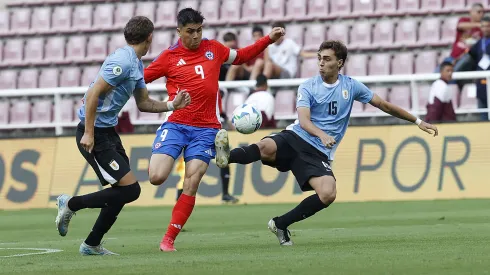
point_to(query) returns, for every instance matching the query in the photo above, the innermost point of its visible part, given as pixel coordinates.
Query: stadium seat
(103, 17)
(117, 40)
(97, 47)
(309, 68)
(20, 20)
(385, 7)
(162, 40)
(122, 14)
(408, 6)
(245, 37)
(382, 92)
(363, 7)
(360, 35)
(468, 97)
(82, 18)
(356, 65)
(33, 51)
(379, 64)
(423, 92)
(4, 112)
(54, 50)
(230, 11)
(27, 79)
(285, 104)
(76, 105)
(166, 14)
(314, 33)
(383, 34)
(274, 10)
(400, 95)
(209, 33)
(42, 111)
(234, 99)
(70, 77)
(41, 19)
(89, 75)
(318, 9)
(252, 11)
(431, 6)
(296, 10)
(76, 48)
(448, 32)
(4, 21)
(402, 63)
(337, 31)
(67, 109)
(8, 79)
(357, 107)
(48, 78)
(470, 3)
(146, 9)
(12, 52)
(406, 33)
(1, 52)
(296, 33)
(456, 95)
(426, 62)
(454, 5)
(340, 8)
(61, 19)
(210, 10)
(188, 4)
(430, 32)
(20, 112)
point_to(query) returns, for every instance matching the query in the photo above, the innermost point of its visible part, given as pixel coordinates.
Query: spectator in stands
(468, 31)
(230, 41)
(440, 106)
(263, 100)
(281, 58)
(251, 69)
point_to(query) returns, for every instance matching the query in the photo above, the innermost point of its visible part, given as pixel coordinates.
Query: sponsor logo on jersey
(181, 62)
(327, 166)
(209, 55)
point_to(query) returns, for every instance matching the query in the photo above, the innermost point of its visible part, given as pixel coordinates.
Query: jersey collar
(331, 85)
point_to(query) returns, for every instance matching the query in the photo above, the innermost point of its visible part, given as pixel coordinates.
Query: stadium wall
(375, 163)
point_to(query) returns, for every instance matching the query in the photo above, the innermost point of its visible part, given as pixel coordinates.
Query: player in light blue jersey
(308, 146)
(120, 76)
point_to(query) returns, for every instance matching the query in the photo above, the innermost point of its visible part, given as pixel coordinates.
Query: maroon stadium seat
(48, 78)
(230, 11)
(166, 14)
(379, 64)
(54, 51)
(209, 33)
(146, 9)
(470, 3)
(97, 47)
(245, 37)
(456, 95)
(356, 65)
(340, 8)
(430, 32)
(296, 10)
(385, 7)
(61, 18)
(274, 10)
(33, 51)
(337, 31)
(252, 11)
(318, 9)
(89, 75)
(70, 77)
(383, 34)
(285, 104)
(40, 20)
(431, 6)
(82, 18)
(20, 112)
(423, 92)
(4, 112)
(4, 21)
(234, 100)
(42, 111)
(103, 17)
(188, 4)
(406, 33)
(76, 48)
(117, 40)
(400, 95)
(296, 33)
(1, 51)
(8, 79)
(76, 105)
(67, 109)
(27, 79)
(357, 107)
(12, 51)
(454, 5)
(426, 62)
(210, 10)
(408, 6)
(122, 14)
(448, 32)
(360, 35)
(162, 40)
(382, 92)
(314, 33)
(309, 68)
(363, 7)
(402, 63)
(468, 97)
(20, 20)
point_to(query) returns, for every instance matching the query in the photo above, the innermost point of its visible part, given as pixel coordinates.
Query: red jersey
(460, 46)
(198, 72)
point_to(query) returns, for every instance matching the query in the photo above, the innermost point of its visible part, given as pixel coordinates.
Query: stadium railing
(57, 93)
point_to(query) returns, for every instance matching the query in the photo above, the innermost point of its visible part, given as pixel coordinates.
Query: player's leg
(257, 68)
(225, 184)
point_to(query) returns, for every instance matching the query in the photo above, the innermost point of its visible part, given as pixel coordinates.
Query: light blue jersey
(330, 106)
(124, 71)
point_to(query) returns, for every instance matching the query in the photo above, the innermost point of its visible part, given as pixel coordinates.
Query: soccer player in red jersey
(192, 64)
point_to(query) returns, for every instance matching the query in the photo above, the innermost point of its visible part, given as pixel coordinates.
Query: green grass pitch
(429, 237)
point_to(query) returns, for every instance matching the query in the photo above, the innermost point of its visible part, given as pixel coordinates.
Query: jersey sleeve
(140, 84)
(116, 69)
(157, 68)
(223, 52)
(362, 93)
(304, 97)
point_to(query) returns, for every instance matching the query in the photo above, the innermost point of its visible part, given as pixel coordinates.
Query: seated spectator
(251, 69)
(440, 106)
(468, 31)
(281, 58)
(231, 42)
(263, 100)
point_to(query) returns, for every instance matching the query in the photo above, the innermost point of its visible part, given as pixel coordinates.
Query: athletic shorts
(197, 143)
(108, 157)
(298, 156)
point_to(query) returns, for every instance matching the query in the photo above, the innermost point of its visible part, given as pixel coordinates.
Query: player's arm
(398, 112)
(156, 69)
(149, 105)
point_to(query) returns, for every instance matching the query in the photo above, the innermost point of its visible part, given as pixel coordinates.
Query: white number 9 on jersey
(199, 70)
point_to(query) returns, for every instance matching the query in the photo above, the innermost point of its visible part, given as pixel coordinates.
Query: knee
(157, 178)
(133, 192)
(266, 152)
(328, 195)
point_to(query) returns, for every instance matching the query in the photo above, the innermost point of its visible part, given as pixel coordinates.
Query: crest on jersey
(117, 70)
(209, 55)
(114, 165)
(300, 96)
(345, 94)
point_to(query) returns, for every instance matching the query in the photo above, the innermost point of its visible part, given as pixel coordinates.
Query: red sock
(181, 212)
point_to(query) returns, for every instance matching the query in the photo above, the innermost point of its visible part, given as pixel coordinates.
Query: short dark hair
(485, 18)
(444, 65)
(477, 5)
(189, 16)
(138, 29)
(261, 80)
(258, 29)
(278, 25)
(338, 47)
(229, 36)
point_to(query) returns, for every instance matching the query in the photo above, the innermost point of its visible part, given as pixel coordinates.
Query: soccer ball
(246, 119)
